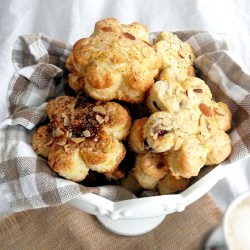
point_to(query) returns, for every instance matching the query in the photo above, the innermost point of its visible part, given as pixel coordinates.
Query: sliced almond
(86, 133)
(99, 109)
(57, 132)
(106, 118)
(99, 119)
(155, 136)
(66, 148)
(129, 36)
(61, 143)
(198, 90)
(49, 142)
(106, 29)
(219, 112)
(66, 122)
(78, 139)
(178, 144)
(205, 109)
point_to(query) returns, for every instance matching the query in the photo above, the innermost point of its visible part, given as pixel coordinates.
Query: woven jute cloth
(27, 182)
(65, 227)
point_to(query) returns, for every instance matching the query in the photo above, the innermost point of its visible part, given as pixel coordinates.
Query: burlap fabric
(25, 178)
(64, 227)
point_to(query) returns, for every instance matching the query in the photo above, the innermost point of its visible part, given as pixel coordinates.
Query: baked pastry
(151, 173)
(83, 134)
(135, 137)
(170, 184)
(174, 97)
(149, 169)
(115, 62)
(177, 58)
(186, 125)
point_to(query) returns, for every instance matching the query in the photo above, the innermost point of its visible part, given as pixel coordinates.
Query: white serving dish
(141, 215)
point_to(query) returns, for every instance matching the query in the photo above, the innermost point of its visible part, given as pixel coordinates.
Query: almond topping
(129, 36)
(155, 136)
(217, 111)
(78, 139)
(99, 109)
(57, 132)
(49, 142)
(106, 118)
(198, 90)
(205, 109)
(61, 143)
(99, 119)
(107, 29)
(66, 148)
(86, 133)
(178, 144)
(66, 122)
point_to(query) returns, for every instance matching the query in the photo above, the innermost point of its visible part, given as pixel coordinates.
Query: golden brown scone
(222, 115)
(164, 96)
(158, 132)
(135, 137)
(83, 134)
(186, 125)
(170, 184)
(174, 97)
(42, 140)
(115, 62)
(149, 169)
(188, 160)
(68, 162)
(219, 146)
(177, 58)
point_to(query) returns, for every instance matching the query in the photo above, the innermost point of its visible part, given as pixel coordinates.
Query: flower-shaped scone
(83, 134)
(190, 134)
(174, 96)
(151, 172)
(177, 57)
(115, 62)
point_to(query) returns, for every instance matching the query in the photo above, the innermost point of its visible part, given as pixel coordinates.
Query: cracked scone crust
(83, 135)
(115, 62)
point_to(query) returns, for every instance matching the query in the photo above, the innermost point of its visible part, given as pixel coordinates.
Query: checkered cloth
(25, 178)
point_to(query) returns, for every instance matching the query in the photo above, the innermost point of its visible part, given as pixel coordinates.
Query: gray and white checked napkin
(27, 182)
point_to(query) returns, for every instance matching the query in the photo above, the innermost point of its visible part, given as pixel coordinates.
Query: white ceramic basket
(141, 215)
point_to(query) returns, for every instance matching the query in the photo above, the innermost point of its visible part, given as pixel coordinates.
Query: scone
(149, 169)
(151, 173)
(174, 96)
(83, 134)
(115, 62)
(177, 58)
(170, 184)
(186, 125)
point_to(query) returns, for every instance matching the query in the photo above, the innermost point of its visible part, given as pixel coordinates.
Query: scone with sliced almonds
(186, 125)
(83, 134)
(115, 62)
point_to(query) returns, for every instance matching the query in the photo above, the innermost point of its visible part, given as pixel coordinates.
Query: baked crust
(115, 62)
(83, 134)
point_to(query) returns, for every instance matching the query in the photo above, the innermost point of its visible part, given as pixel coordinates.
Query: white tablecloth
(72, 19)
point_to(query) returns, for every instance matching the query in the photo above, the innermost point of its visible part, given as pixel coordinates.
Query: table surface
(71, 20)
